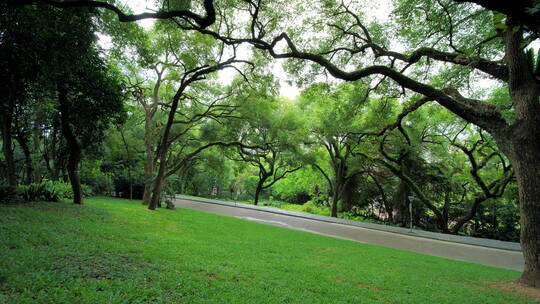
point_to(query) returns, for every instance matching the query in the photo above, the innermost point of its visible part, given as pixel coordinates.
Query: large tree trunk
(334, 206)
(526, 165)
(148, 174)
(258, 190)
(158, 185)
(73, 145)
(525, 138)
(336, 197)
(527, 169)
(7, 144)
(340, 170)
(149, 163)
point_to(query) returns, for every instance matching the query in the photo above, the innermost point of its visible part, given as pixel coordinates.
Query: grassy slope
(115, 251)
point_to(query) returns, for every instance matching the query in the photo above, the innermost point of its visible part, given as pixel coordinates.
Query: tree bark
(148, 174)
(128, 155)
(73, 145)
(157, 187)
(527, 169)
(36, 144)
(57, 151)
(258, 190)
(7, 145)
(387, 206)
(21, 139)
(525, 134)
(149, 162)
(334, 207)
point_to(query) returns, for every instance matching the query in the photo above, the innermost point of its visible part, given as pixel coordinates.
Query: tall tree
(270, 132)
(337, 121)
(72, 72)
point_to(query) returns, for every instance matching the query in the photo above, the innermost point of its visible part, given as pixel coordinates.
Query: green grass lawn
(116, 251)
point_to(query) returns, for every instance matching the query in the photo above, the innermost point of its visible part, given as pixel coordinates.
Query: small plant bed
(115, 251)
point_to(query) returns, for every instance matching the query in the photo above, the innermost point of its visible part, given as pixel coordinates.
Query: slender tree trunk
(27, 158)
(446, 207)
(36, 143)
(56, 151)
(387, 206)
(128, 155)
(163, 148)
(7, 144)
(73, 146)
(46, 156)
(149, 162)
(73, 174)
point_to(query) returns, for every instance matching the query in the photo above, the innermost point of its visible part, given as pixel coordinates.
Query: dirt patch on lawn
(516, 288)
(324, 249)
(207, 274)
(357, 284)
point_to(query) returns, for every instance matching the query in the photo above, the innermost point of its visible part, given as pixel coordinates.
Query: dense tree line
(409, 123)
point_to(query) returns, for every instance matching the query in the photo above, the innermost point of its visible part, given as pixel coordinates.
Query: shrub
(65, 190)
(308, 207)
(45, 191)
(50, 191)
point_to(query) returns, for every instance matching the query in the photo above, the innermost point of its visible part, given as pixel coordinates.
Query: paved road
(463, 252)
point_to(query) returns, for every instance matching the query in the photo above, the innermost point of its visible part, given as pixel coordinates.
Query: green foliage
(97, 180)
(309, 207)
(299, 185)
(45, 191)
(49, 191)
